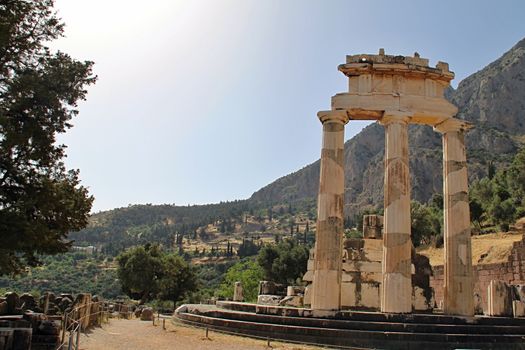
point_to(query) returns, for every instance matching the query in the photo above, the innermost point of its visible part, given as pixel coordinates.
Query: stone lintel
(340, 116)
(364, 114)
(453, 124)
(371, 106)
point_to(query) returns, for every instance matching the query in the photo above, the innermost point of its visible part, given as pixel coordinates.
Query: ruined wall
(373, 226)
(362, 276)
(512, 272)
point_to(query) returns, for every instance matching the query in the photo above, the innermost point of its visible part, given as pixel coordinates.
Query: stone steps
(400, 327)
(365, 330)
(373, 316)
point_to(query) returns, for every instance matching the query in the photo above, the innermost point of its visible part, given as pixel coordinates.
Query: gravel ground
(121, 334)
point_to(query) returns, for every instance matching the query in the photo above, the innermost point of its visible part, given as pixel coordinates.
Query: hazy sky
(208, 101)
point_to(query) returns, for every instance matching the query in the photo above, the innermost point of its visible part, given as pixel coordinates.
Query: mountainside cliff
(493, 99)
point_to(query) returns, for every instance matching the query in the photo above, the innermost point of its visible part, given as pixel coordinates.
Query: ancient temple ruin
(395, 91)
(349, 280)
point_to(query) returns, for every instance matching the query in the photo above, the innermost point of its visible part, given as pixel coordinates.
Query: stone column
(326, 293)
(458, 282)
(396, 293)
(238, 292)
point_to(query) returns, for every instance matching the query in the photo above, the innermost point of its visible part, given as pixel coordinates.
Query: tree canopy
(500, 199)
(249, 273)
(284, 262)
(139, 270)
(147, 272)
(40, 200)
(177, 280)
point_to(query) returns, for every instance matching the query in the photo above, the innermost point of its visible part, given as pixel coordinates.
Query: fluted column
(326, 292)
(458, 281)
(396, 296)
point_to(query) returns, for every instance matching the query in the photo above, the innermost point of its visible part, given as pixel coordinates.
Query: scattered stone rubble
(24, 326)
(505, 300)
(147, 314)
(30, 323)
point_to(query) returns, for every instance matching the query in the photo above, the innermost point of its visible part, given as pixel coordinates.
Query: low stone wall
(362, 276)
(512, 272)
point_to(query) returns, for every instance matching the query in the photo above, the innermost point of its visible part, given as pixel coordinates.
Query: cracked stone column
(458, 280)
(396, 293)
(326, 292)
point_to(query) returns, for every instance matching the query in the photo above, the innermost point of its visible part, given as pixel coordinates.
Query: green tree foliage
(72, 272)
(40, 200)
(426, 220)
(476, 211)
(177, 280)
(139, 270)
(284, 262)
(516, 183)
(421, 226)
(249, 273)
(501, 197)
(147, 272)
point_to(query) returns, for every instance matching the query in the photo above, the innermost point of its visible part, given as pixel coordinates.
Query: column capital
(338, 116)
(390, 116)
(452, 124)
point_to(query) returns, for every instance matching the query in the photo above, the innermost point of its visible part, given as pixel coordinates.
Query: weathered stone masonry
(326, 293)
(512, 272)
(397, 245)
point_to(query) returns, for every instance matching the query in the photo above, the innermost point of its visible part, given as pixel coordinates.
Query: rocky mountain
(493, 99)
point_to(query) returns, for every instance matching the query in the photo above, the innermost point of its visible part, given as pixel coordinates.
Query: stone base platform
(349, 329)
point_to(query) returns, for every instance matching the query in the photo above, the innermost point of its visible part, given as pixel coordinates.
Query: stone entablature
(379, 83)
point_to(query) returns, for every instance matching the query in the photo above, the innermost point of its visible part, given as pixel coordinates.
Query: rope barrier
(72, 323)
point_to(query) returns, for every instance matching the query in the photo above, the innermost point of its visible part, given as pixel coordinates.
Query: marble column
(458, 280)
(326, 292)
(396, 293)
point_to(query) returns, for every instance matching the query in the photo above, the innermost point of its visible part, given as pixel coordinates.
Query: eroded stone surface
(292, 300)
(266, 299)
(458, 283)
(147, 314)
(518, 308)
(326, 286)
(397, 247)
(238, 292)
(373, 226)
(499, 299)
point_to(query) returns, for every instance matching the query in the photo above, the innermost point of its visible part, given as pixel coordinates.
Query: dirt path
(134, 335)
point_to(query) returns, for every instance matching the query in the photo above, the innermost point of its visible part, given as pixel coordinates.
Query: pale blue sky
(207, 101)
